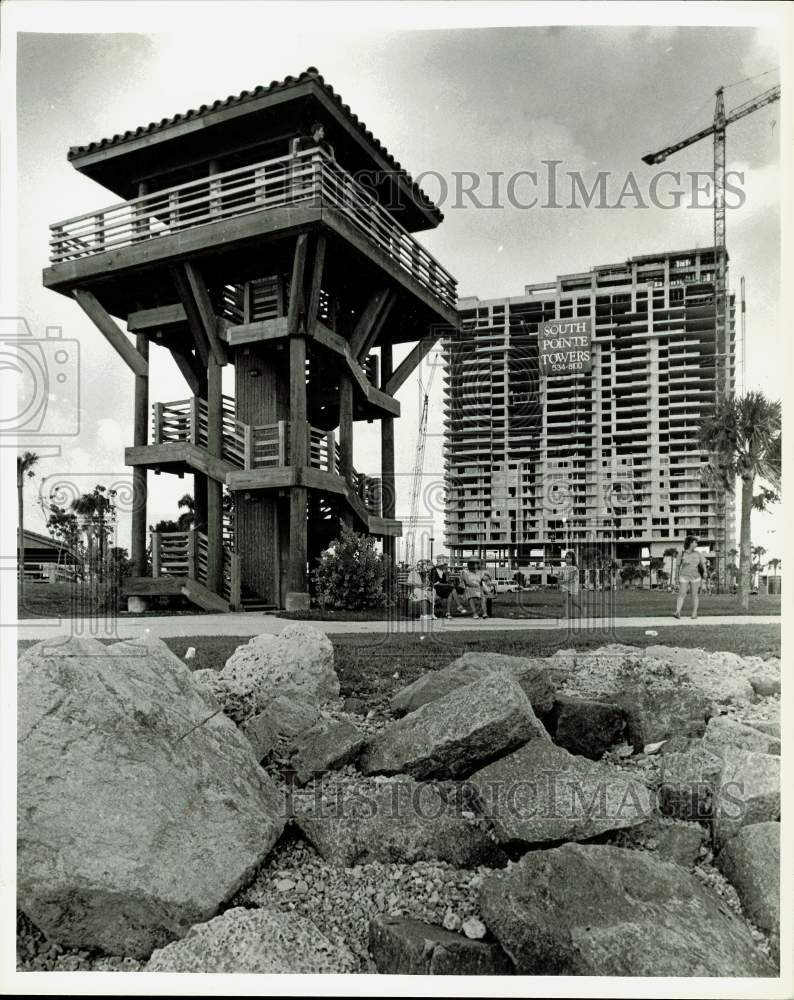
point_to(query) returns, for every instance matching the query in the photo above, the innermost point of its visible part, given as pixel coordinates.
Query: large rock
(655, 696)
(456, 734)
(254, 941)
(687, 784)
(399, 821)
(534, 677)
(586, 727)
(141, 807)
(723, 731)
(748, 792)
(542, 794)
(604, 911)
(402, 946)
(765, 685)
(723, 677)
(330, 744)
(274, 731)
(296, 663)
(751, 862)
(657, 712)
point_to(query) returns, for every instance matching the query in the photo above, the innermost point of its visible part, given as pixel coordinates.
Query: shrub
(351, 575)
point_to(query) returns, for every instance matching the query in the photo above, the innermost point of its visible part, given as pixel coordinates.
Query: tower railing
(311, 176)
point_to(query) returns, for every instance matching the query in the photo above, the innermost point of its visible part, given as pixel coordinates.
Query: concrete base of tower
(297, 600)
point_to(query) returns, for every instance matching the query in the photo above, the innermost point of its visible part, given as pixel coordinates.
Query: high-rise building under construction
(604, 459)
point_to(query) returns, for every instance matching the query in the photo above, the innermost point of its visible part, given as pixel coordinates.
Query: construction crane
(717, 128)
(418, 471)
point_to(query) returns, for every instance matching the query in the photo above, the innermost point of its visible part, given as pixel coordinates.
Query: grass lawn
(61, 600)
(628, 603)
(65, 600)
(367, 663)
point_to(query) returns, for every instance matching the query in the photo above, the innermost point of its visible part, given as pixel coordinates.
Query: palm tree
(672, 555)
(757, 552)
(186, 503)
(26, 463)
(743, 437)
(774, 563)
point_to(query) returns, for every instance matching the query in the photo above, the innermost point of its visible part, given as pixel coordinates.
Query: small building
(46, 558)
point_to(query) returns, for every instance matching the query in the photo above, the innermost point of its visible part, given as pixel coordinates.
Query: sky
(444, 102)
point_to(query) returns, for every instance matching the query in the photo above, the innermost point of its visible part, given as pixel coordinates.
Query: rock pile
(504, 814)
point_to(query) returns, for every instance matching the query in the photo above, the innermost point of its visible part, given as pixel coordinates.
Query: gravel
(341, 901)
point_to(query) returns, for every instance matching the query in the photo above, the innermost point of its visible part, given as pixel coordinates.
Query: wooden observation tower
(278, 268)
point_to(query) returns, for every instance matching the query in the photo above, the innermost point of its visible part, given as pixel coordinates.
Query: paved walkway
(253, 624)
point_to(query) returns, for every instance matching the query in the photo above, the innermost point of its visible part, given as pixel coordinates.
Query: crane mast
(718, 129)
(418, 472)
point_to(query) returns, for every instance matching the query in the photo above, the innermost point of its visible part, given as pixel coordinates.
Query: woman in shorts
(691, 571)
(569, 584)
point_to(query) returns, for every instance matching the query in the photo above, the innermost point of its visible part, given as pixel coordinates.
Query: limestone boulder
(328, 745)
(129, 777)
(403, 946)
(687, 783)
(258, 941)
(723, 731)
(751, 862)
(604, 911)
(396, 822)
(274, 731)
(586, 727)
(748, 792)
(541, 794)
(534, 676)
(454, 735)
(296, 663)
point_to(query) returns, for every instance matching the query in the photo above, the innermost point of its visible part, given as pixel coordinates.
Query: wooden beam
(206, 311)
(114, 335)
(214, 488)
(377, 326)
(140, 438)
(299, 428)
(313, 307)
(146, 319)
(368, 320)
(192, 314)
(188, 366)
(296, 296)
(415, 358)
(345, 427)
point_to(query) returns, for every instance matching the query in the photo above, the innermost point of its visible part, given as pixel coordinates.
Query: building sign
(564, 346)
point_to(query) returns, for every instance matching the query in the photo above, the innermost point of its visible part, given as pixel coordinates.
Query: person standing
(472, 590)
(488, 590)
(691, 572)
(569, 584)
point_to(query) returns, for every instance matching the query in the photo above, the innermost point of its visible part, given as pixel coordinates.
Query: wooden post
(234, 568)
(298, 431)
(297, 596)
(191, 554)
(214, 488)
(345, 427)
(248, 447)
(282, 443)
(139, 487)
(158, 423)
(155, 554)
(388, 485)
